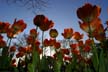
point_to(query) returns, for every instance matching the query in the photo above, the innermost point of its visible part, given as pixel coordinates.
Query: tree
(34, 5)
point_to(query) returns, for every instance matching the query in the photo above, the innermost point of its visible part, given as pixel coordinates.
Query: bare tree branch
(33, 5)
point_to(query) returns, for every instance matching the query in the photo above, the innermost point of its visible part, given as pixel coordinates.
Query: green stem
(42, 42)
(9, 42)
(33, 53)
(90, 31)
(94, 50)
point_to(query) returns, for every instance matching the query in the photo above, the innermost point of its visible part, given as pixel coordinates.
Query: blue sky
(62, 12)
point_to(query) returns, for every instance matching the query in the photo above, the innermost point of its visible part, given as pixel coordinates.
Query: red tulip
(77, 36)
(88, 12)
(46, 42)
(2, 43)
(47, 24)
(99, 33)
(68, 32)
(4, 26)
(91, 26)
(87, 48)
(42, 22)
(34, 33)
(65, 51)
(16, 28)
(57, 45)
(52, 42)
(38, 19)
(12, 49)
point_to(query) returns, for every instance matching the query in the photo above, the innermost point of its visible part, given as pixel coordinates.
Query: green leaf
(4, 62)
(36, 61)
(69, 67)
(30, 67)
(102, 62)
(36, 58)
(95, 59)
(44, 63)
(95, 62)
(57, 66)
(58, 62)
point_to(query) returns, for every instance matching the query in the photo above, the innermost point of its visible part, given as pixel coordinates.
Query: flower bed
(70, 56)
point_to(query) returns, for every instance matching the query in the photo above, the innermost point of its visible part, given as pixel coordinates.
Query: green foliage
(102, 62)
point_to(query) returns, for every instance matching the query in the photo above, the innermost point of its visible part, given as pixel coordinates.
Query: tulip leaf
(95, 58)
(4, 62)
(44, 64)
(102, 62)
(36, 59)
(58, 63)
(30, 67)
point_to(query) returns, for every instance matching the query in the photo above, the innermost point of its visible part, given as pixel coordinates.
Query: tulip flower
(47, 24)
(99, 33)
(4, 26)
(57, 45)
(33, 33)
(38, 19)
(68, 32)
(16, 28)
(53, 33)
(88, 12)
(77, 36)
(42, 22)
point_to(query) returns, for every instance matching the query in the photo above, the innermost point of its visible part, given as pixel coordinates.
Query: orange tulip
(4, 26)
(37, 44)
(89, 42)
(87, 48)
(10, 33)
(57, 45)
(65, 51)
(68, 32)
(52, 42)
(99, 33)
(80, 43)
(84, 26)
(88, 12)
(90, 27)
(47, 24)
(74, 49)
(16, 28)
(22, 49)
(19, 25)
(12, 49)
(38, 19)
(53, 33)
(46, 42)
(42, 22)
(29, 49)
(20, 54)
(2, 43)
(77, 36)
(33, 33)
(30, 40)
(74, 46)
(39, 50)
